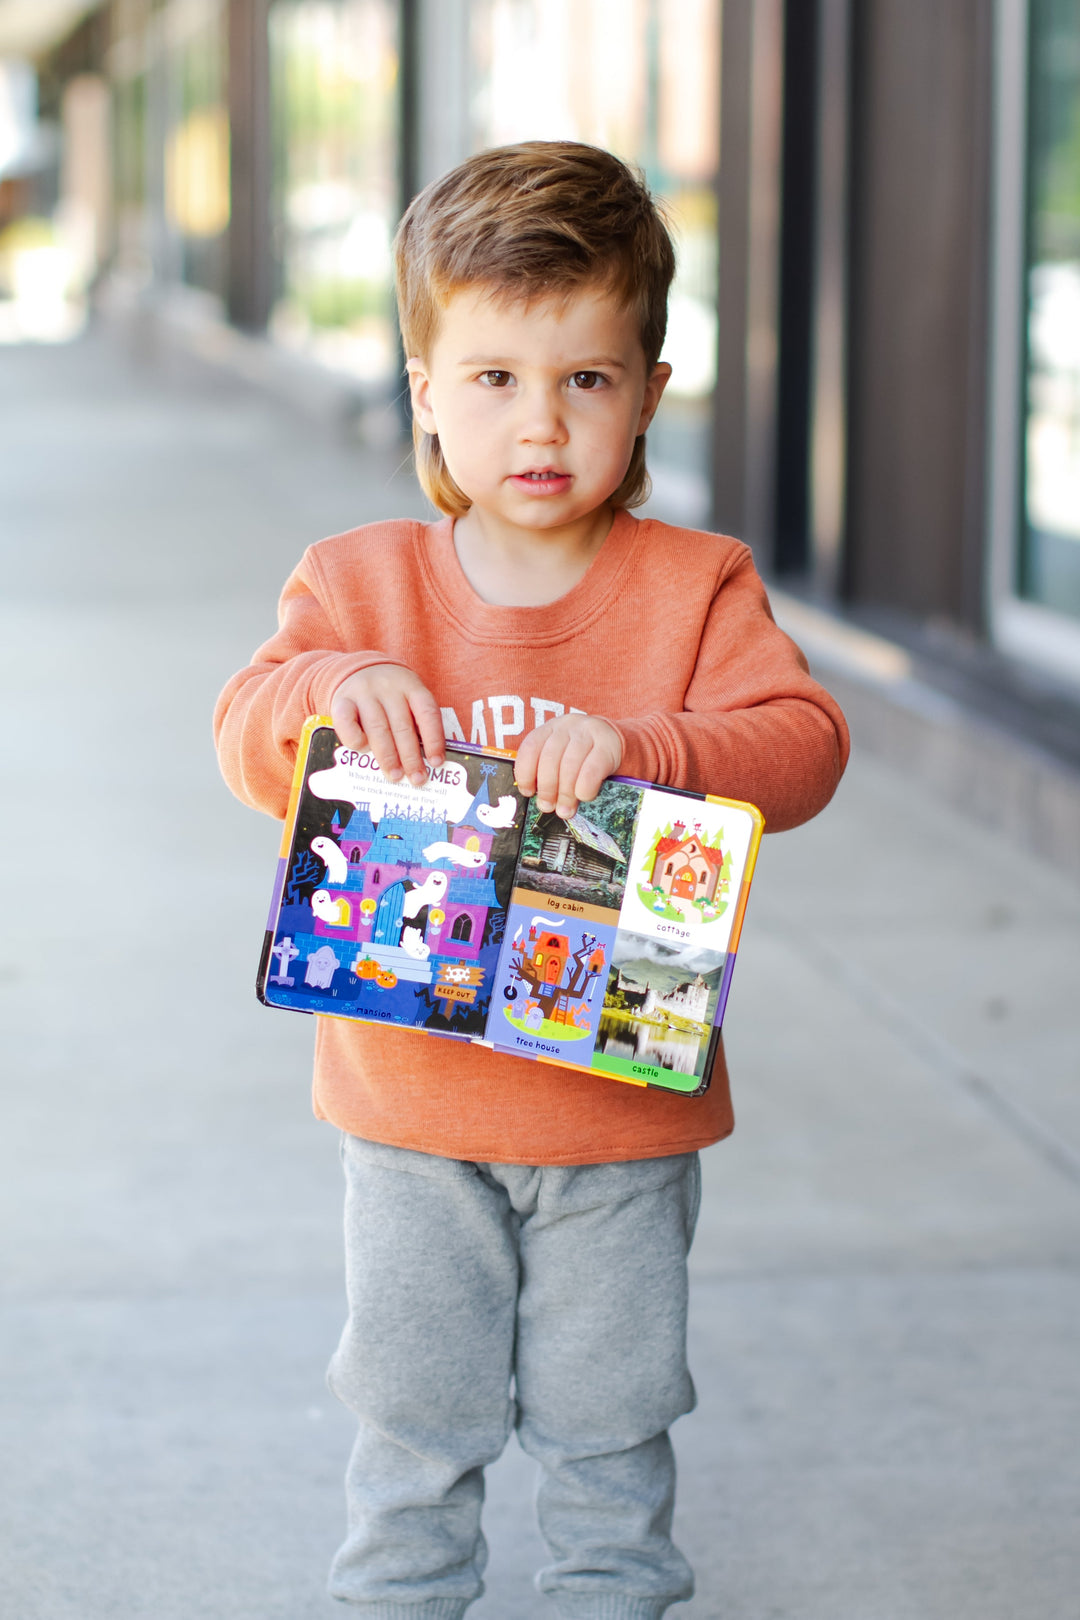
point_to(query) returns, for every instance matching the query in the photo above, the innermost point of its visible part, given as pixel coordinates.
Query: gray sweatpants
(487, 1295)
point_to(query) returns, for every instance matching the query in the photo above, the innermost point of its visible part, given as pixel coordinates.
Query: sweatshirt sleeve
(261, 712)
(755, 724)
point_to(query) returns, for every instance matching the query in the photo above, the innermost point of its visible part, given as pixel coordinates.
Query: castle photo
(688, 1000)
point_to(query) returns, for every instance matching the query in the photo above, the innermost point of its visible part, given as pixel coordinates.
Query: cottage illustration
(685, 866)
(577, 848)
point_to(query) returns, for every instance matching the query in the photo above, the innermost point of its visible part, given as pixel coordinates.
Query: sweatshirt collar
(554, 621)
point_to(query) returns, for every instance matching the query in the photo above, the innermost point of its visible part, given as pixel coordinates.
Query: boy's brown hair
(526, 222)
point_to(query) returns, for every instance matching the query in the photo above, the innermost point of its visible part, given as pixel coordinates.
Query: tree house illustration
(684, 866)
(560, 980)
(577, 848)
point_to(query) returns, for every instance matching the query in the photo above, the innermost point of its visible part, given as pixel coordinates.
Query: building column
(251, 266)
(745, 414)
(441, 136)
(920, 156)
(827, 470)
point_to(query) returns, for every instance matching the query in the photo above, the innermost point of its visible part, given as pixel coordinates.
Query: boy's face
(537, 406)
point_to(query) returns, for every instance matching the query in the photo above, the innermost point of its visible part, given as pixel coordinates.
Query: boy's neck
(512, 567)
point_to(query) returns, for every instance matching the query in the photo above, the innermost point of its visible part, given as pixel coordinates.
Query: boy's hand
(389, 711)
(566, 761)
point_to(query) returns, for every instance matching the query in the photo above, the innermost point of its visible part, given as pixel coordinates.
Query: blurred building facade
(875, 331)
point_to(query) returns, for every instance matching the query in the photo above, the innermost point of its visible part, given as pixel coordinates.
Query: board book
(605, 942)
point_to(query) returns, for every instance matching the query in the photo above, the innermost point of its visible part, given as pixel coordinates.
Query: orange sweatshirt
(669, 637)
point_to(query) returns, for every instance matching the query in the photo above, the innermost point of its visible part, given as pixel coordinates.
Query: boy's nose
(542, 418)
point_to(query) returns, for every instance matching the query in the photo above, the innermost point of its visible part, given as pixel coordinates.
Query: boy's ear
(654, 388)
(420, 394)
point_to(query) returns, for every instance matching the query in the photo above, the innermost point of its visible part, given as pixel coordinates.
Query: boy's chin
(551, 513)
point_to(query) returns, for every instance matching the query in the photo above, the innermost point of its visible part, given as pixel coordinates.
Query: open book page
(620, 932)
(393, 898)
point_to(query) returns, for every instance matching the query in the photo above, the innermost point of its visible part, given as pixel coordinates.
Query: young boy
(516, 1234)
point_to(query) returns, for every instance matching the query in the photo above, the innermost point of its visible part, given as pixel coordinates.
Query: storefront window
(1050, 549)
(334, 70)
(640, 77)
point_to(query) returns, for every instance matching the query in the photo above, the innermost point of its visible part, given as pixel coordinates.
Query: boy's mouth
(542, 481)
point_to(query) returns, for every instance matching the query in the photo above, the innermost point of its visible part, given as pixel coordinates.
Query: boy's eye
(586, 379)
(497, 379)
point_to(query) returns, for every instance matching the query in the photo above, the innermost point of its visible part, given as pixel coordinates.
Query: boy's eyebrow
(502, 362)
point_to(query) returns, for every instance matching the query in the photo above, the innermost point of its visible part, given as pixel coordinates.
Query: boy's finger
(525, 762)
(380, 737)
(592, 775)
(406, 742)
(347, 724)
(577, 751)
(548, 768)
(428, 719)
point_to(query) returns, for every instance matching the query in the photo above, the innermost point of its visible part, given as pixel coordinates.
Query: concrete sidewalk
(886, 1305)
